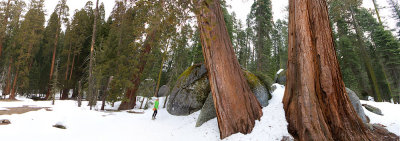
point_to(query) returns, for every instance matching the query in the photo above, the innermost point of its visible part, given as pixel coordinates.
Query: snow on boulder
(280, 77)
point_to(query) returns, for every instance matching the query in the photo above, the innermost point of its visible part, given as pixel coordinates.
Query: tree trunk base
(127, 105)
(65, 94)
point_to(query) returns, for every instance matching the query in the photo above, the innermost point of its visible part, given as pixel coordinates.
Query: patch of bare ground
(21, 110)
(8, 100)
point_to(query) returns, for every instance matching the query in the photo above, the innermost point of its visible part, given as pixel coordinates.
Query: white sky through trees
(240, 7)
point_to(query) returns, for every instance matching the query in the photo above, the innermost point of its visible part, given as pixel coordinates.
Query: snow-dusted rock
(355, 101)
(280, 77)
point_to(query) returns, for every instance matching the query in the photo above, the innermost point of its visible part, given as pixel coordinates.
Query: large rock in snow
(207, 112)
(355, 101)
(192, 89)
(258, 88)
(163, 91)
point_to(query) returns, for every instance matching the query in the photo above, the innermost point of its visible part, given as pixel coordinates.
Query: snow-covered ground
(390, 118)
(83, 124)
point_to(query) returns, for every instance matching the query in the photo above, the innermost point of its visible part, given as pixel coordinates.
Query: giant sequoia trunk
(236, 106)
(315, 102)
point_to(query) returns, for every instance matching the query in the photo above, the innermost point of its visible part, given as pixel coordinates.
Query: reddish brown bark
(315, 102)
(236, 106)
(12, 96)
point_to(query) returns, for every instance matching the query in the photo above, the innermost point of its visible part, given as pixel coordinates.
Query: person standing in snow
(155, 109)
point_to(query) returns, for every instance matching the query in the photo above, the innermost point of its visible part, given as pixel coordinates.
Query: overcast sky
(240, 7)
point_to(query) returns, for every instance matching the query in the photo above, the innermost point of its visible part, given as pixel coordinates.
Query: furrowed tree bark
(316, 104)
(236, 106)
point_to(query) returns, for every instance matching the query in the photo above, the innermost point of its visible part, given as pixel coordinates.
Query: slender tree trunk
(141, 103)
(79, 94)
(236, 106)
(377, 11)
(66, 71)
(316, 104)
(12, 96)
(8, 85)
(367, 61)
(72, 67)
(161, 68)
(65, 92)
(165, 101)
(4, 27)
(379, 61)
(91, 82)
(106, 93)
(54, 53)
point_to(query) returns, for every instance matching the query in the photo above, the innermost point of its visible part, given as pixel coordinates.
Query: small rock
(4, 122)
(59, 125)
(287, 138)
(373, 109)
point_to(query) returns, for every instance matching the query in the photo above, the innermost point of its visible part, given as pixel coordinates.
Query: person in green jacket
(155, 109)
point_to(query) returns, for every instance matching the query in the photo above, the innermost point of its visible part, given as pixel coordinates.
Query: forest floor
(85, 125)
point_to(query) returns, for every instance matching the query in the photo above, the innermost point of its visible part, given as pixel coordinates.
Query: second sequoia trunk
(315, 102)
(236, 106)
